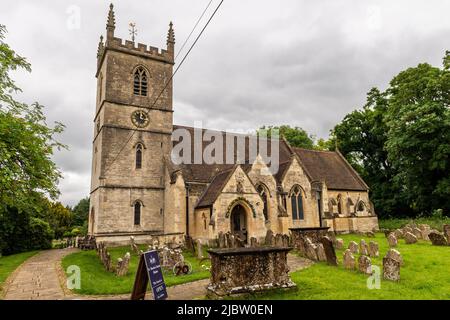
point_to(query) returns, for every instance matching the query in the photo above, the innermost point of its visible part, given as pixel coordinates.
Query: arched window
(140, 82)
(137, 213)
(361, 206)
(263, 193)
(139, 156)
(297, 203)
(339, 204)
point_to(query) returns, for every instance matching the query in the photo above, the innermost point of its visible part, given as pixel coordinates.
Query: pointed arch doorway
(239, 222)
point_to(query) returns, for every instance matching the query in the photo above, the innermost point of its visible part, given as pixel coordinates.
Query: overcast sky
(260, 62)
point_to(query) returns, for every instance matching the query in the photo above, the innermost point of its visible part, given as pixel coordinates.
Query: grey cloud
(260, 62)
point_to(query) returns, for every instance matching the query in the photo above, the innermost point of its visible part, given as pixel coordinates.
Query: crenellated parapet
(130, 47)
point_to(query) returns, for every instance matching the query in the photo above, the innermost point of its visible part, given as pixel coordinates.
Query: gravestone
(311, 250)
(425, 229)
(222, 240)
(392, 240)
(353, 247)
(437, 239)
(410, 238)
(446, 229)
(279, 240)
(365, 264)
(269, 238)
(329, 250)
(398, 233)
(122, 265)
(349, 260)
(286, 240)
(253, 242)
(394, 254)
(363, 248)
(339, 244)
(199, 250)
(370, 234)
(320, 252)
(374, 250)
(391, 269)
(134, 247)
(418, 233)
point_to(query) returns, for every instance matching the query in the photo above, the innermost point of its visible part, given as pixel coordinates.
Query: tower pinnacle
(111, 24)
(171, 39)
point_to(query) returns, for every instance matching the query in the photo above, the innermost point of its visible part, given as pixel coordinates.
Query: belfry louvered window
(140, 82)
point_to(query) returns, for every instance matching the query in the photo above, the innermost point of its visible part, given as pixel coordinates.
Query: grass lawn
(10, 263)
(425, 275)
(96, 281)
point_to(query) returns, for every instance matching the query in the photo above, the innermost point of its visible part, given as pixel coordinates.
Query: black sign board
(149, 268)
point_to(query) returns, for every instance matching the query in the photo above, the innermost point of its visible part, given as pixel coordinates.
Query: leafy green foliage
(400, 142)
(296, 136)
(81, 212)
(27, 173)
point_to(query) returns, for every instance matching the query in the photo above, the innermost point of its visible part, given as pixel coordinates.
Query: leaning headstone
(365, 264)
(231, 241)
(392, 240)
(363, 248)
(437, 239)
(329, 250)
(370, 234)
(199, 250)
(122, 265)
(391, 269)
(410, 238)
(353, 247)
(394, 254)
(269, 238)
(339, 244)
(253, 242)
(349, 260)
(446, 229)
(320, 252)
(373, 249)
(311, 250)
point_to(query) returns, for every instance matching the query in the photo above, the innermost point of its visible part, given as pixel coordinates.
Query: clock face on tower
(140, 119)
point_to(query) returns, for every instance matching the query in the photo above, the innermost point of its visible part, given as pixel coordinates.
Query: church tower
(132, 137)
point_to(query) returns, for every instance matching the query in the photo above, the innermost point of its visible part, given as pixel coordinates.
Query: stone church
(137, 189)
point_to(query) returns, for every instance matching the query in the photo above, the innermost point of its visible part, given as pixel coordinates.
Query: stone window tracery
(140, 85)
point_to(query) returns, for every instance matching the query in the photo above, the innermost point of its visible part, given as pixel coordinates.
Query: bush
(20, 232)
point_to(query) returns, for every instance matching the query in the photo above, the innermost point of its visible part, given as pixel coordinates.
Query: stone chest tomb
(248, 270)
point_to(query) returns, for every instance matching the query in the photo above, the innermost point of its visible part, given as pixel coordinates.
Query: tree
(418, 143)
(26, 142)
(27, 173)
(361, 137)
(296, 136)
(81, 212)
(400, 142)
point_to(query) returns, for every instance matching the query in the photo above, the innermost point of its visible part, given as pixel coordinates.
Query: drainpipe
(187, 210)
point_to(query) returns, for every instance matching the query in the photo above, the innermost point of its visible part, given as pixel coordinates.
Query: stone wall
(245, 270)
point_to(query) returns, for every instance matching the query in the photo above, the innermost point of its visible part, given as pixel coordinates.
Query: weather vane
(133, 31)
